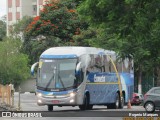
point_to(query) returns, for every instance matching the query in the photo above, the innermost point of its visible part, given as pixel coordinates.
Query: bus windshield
(56, 74)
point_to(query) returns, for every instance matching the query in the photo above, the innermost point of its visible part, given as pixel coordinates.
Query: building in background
(17, 9)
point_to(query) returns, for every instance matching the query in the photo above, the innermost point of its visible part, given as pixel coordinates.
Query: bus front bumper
(57, 101)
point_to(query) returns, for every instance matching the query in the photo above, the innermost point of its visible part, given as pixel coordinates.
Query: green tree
(129, 27)
(13, 64)
(35, 47)
(58, 19)
(57, 24)
(2, 29)
(86, 37)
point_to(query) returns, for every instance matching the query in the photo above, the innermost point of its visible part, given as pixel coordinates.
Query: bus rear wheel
(50, 107)
(116, 104)
(122, 101)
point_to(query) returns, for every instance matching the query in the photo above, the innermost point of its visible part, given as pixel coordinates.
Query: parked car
(152, 100)
(137, 99)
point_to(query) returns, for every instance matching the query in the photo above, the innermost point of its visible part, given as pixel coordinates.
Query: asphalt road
(28, 104)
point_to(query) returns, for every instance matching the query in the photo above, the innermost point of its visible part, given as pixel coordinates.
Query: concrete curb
(7, 108)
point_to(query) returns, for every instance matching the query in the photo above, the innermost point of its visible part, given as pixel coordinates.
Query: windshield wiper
(49, 82)
(61, 81)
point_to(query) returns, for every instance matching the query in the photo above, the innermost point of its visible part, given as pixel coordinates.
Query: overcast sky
(2, 7)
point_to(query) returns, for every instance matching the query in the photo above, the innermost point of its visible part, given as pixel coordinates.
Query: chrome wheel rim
(117, 103)
(149, 107)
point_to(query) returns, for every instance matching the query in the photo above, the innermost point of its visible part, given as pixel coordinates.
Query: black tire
(84, 105)
(116, 104)
(110, 106)
(149, 107)
(121, 102)
(89, 107)
(50, 107)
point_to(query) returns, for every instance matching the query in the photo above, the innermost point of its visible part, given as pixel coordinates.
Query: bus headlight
(39, 101)
(72, 94)
(39, 94)
(71, 101)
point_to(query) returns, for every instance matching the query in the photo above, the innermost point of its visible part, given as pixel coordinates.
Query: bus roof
(73, 52)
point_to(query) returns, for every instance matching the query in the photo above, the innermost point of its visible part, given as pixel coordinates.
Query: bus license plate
(55, 101)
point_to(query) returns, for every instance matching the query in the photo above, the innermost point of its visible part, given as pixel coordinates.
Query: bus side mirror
(78, 67)
(33, 67)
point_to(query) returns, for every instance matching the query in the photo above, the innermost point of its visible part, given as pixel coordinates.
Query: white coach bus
(83, 76)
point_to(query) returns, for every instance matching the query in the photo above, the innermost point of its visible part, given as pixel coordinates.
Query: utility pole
(19, 99)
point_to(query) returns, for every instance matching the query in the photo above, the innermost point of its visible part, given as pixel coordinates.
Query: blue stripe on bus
(56, 92)
(53, 93)
(59, 56)
(109, 77)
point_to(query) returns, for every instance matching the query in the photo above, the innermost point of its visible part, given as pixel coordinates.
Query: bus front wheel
(85, 103)
(89, 107)
(50, 107)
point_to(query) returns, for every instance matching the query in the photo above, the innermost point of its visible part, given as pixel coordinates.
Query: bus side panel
(102, 93)
(127, 81)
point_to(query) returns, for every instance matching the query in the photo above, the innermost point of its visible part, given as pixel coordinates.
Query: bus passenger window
(126, 65)
(109, 66)
(113, 63)
(119, 65)
(106, 63)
